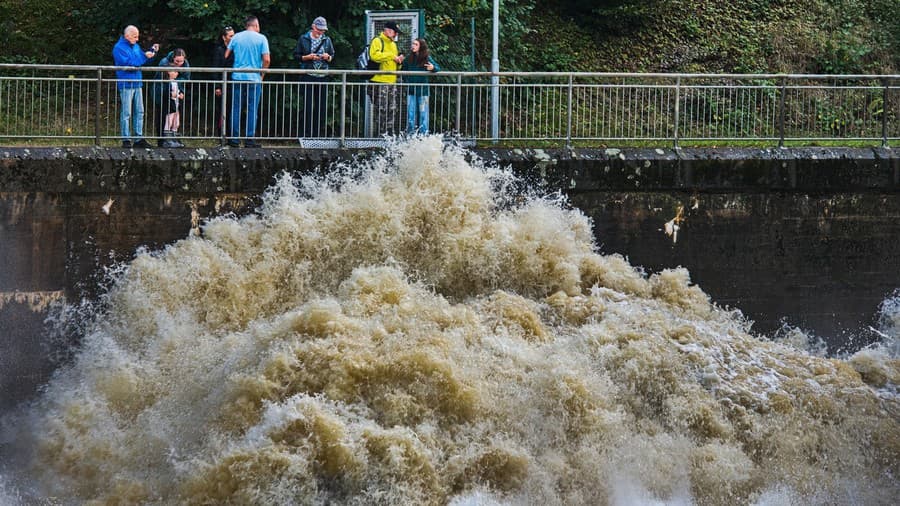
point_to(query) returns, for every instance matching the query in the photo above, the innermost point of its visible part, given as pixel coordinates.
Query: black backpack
(364, 63)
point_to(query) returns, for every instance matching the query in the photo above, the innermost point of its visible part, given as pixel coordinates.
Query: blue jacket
(126, 54)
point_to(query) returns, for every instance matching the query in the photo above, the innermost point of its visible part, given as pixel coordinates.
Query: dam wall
(808, 237)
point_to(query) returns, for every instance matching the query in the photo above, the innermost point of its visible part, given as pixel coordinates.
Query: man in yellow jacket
(383, 92)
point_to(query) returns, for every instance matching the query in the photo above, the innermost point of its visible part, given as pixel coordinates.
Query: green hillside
(795, 36)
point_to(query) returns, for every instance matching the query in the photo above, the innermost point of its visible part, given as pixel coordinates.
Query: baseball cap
(393, 26)
(320, 23)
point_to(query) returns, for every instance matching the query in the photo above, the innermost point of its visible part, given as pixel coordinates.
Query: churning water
(422, 329)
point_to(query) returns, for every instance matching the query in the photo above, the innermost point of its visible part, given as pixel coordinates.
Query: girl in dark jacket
(171, 100)
(417, 91)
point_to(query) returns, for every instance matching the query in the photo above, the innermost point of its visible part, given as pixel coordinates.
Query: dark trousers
(312, 120)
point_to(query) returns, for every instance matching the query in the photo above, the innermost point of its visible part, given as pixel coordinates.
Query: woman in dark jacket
(176, 58)
(417, 91)
(219, 61)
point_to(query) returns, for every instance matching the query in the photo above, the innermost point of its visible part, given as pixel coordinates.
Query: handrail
(569, 109)
(353, 72)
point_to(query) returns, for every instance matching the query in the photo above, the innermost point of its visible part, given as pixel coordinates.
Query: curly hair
(420, 57)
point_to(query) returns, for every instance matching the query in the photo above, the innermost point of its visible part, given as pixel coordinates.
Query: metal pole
(472, 46)
(569, 126)
(225, 112)
(97, 108)
(458, 103)
(884, 115)
(343, 109)
(677, 108)
(495, 79)
(472, 125)
(781, 100)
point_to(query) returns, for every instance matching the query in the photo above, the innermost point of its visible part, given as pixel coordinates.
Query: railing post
(884, 113)
(97, 108)
(458, 103)
(225, 112)
(569, 115)
(677, 108)
(343, 109)
(781, 100)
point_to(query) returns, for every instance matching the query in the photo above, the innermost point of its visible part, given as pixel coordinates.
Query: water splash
(418, 330)
(889, 324)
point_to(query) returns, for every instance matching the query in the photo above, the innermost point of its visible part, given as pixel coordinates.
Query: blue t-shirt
(248, 48)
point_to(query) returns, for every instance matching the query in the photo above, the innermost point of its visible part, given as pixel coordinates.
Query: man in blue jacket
(127, 53)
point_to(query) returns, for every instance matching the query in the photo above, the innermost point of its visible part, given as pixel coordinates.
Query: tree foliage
(45, 31)
(555, 35)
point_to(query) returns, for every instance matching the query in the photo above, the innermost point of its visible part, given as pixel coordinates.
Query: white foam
(420, 328)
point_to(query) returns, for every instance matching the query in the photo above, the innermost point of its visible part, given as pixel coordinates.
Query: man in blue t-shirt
(251, 52)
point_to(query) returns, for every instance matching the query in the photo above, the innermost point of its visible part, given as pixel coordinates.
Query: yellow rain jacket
(383, 52)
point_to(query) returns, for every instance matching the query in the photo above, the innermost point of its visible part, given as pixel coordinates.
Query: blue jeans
(244, 94)
(132, 101)
(417, 107)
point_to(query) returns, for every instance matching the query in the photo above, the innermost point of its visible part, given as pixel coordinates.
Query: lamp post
(495, 79)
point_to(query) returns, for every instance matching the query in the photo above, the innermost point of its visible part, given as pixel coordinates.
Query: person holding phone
(314, 51)
(127, 53)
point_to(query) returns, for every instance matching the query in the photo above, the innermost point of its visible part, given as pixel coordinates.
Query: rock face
(808, 235)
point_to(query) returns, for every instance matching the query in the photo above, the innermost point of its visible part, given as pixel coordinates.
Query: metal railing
(80, 104)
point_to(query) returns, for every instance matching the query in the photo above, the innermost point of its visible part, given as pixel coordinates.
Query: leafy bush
(557, 35)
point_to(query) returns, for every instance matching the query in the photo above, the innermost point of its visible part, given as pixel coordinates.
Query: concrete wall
(808, 235)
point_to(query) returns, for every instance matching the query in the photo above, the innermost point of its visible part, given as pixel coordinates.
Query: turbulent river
(422, 328)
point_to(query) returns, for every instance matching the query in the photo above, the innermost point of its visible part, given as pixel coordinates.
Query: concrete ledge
(715, 169)
(114, 170)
